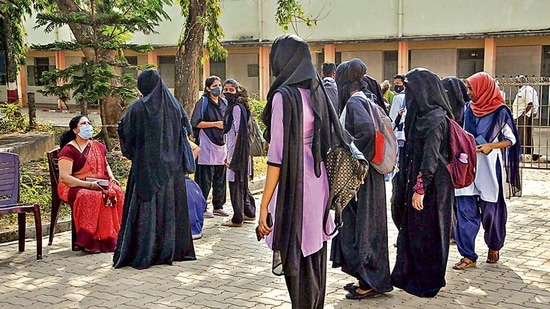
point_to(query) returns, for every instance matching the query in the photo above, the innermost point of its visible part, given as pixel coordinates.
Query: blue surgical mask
(86, 131)
(216, 91)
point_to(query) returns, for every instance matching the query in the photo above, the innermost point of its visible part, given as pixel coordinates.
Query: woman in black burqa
(423, 188)
(458, 97)
(299, 119)
(361, 246)
(155, 223)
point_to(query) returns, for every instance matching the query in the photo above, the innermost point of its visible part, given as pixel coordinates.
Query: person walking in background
(97, 209)
(238, 162)
(155, 225)
(328, 70)
(489, 120)
(299, 119)
(207, 122)
(387, 93)
(423, 190)
(361, 246)
(398, 110)
(524, 109)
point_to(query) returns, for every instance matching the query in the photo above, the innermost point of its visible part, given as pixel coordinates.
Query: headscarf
(458, 96)
(374, 88)
(427, 103)
(239, 160)
(292, 66)
(152, 135)
(487, 93)
(349, 78)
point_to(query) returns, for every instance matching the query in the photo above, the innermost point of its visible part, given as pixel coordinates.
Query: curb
(67, 111)
(13, 235)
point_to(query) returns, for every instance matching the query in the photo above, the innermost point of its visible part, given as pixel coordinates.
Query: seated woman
(87, 183)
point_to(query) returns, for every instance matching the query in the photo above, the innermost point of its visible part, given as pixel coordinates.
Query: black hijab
(292, 66)
(349, 77)
(374, 87)
(152, 135)
(241, 152)
(458, 96)
(427, 102)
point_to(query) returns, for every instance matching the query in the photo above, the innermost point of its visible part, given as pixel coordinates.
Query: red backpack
(463, 156)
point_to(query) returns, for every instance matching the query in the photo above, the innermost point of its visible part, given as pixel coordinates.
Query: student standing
(207, 122)
(299, 121)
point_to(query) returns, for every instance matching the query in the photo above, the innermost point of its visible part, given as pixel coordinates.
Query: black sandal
(351, 287)
(355, 295)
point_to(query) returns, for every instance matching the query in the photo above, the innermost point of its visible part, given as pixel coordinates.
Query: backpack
(256, 140)
(346, 170)
(385, 152)
(462, 151)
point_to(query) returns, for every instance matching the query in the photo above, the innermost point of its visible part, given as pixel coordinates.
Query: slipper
(230, 223)
(492, 256)
(350, 287)
(220, 212)
(354, 295)
(249, 219)
(464, 263)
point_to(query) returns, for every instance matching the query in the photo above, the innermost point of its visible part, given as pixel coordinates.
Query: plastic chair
(9, 200)
(56, 200)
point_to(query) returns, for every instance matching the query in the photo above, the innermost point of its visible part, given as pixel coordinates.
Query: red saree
(97, 214)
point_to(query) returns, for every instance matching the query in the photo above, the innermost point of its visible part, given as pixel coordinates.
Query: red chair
(9, 200)
(56, 201)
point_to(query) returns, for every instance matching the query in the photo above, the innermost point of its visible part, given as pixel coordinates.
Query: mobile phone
(269, 221)
(480, 140)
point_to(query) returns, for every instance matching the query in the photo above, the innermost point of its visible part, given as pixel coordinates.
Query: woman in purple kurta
(299, 120)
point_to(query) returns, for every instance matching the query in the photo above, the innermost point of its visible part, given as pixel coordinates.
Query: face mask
(216, 91)
(230, 97)
(86, 131)
(398, 88)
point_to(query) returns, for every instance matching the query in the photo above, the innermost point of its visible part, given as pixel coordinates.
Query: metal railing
(535, 154)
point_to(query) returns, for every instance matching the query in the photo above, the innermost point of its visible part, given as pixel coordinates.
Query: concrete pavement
(233, 271)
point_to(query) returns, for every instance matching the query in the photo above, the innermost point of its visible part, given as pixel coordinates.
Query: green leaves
(291, 11)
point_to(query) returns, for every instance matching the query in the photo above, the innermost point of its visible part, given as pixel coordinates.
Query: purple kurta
(211, 154)
(316, 190)
(230, 140)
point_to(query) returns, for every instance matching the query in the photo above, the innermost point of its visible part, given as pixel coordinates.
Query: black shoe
(350, 287)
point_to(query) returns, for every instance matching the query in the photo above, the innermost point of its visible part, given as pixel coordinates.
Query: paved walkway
(233, 271)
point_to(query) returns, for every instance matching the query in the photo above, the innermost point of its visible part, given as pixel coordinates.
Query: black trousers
(241, 200)
(212, 177)
(525, 130)
(307, 289)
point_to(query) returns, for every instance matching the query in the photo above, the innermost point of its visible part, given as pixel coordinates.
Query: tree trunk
(189, 51)
(11, 71)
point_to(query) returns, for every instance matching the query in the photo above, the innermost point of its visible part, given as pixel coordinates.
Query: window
(218, 69)
(41, 65)
(167, 70)
(132, 60)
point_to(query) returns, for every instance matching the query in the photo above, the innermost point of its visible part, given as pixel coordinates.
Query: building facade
(449, 37)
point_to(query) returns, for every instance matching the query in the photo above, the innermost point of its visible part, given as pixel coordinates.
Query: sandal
(350, 287)
(492, 256)
(356, 295)
(464, 263)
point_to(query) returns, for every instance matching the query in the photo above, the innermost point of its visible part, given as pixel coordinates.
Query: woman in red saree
(97, 205)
